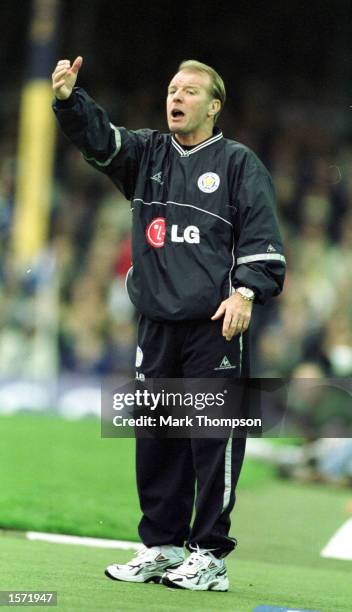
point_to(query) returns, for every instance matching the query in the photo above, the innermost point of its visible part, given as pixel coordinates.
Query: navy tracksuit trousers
(174, 473)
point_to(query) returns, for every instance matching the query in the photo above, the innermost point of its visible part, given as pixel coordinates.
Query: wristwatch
(246, 293)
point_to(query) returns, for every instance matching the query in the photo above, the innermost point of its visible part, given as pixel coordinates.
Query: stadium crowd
(306, 332)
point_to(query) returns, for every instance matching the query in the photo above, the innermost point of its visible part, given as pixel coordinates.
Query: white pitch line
(58, 538)
(340, 545)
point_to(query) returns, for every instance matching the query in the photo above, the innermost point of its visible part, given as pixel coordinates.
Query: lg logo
(190, 234)
(156, 232)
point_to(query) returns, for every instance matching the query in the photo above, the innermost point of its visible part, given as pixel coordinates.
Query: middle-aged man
(206, 245)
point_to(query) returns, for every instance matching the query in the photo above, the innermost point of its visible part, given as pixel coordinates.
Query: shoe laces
(198, 559)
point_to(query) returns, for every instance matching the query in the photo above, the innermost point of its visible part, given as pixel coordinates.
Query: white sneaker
(201, 571)
(148, 564)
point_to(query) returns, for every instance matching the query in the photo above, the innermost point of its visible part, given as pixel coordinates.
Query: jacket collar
(186, 152)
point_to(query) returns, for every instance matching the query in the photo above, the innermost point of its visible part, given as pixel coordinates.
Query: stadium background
(66, 322)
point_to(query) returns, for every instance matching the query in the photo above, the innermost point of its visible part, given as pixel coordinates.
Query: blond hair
(217, 89)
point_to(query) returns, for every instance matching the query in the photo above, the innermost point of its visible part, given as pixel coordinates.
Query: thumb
(219, 313)
(77, 64)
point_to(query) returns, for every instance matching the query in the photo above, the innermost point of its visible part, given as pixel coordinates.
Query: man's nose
(178, 95)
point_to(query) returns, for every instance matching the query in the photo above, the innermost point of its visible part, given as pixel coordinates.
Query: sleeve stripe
(261, 257)
(118, 147)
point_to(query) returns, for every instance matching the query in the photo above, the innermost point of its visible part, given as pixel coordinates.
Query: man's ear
(214, 107)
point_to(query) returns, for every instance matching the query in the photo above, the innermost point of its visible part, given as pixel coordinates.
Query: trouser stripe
(228, 474)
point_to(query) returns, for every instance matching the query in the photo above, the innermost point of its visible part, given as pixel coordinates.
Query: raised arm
(113, 150)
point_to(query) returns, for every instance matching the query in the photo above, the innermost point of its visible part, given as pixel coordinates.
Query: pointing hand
(64, 77)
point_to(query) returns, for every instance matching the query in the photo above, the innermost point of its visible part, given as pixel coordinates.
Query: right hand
(65, 76)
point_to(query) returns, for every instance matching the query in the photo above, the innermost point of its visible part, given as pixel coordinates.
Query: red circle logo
(155, 232)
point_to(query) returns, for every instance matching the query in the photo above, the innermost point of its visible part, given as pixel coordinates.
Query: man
(205, 246)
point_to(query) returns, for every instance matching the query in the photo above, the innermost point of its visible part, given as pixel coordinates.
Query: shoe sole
(212, 586)
(156, 579)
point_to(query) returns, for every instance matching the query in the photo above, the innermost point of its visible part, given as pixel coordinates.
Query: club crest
(209, 182)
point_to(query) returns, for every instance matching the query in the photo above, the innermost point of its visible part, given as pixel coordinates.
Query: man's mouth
(175, 113)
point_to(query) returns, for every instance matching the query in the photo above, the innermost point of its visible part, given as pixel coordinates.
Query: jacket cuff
(68, 103)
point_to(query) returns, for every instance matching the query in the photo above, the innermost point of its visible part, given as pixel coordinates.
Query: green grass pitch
(60, 476)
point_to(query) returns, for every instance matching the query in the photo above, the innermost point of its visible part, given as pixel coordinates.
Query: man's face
(188, 103)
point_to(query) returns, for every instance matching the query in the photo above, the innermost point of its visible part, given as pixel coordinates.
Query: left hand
(237, 315)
